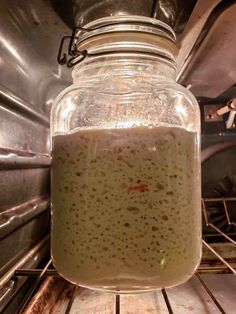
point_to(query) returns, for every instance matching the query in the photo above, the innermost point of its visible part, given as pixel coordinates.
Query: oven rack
(223, 265)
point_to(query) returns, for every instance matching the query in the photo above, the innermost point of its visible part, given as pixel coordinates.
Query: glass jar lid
(123, 34)
(129, 23)
(128, 34)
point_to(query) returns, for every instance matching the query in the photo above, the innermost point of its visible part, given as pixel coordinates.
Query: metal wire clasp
(76, 55)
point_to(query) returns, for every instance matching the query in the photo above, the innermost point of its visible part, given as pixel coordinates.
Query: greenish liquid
(126, 207)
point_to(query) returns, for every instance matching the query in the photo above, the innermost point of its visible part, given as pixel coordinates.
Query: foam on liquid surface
(126, 207)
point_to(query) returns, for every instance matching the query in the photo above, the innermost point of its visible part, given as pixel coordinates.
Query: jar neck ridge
(126, 46)
(124, 65)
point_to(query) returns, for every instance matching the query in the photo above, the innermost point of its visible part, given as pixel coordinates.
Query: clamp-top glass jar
(126, 214)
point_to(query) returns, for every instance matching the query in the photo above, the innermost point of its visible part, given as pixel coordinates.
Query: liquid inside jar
(126, 207)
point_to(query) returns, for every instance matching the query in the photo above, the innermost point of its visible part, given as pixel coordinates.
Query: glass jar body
(126, 214)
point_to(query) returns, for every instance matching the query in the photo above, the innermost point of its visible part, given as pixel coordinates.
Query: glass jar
(125, 180)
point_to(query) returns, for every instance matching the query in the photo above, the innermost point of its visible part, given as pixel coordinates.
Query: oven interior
(30, 36)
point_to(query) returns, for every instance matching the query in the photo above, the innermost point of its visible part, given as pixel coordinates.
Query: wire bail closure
(76, 55)
(73, 55)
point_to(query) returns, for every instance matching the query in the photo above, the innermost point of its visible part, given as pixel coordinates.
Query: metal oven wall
(29, 80)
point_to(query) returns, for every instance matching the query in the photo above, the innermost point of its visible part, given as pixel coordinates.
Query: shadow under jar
(126, 213)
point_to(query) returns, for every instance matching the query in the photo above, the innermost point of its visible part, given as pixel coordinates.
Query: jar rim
(125, 23)
(130, 34)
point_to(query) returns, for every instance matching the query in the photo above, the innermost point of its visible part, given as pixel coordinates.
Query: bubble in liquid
(164, 217)
(110, 211)
(133, 209)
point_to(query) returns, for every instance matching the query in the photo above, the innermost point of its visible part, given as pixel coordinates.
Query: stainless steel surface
(10, 159)
(36, 272)
(22, 261)
(20, 133)
(13, 103)
(13, 286)
(22, 185)
(18, 242)
(212, 150)
(29, 38)
(192, 31)
(203, 70)
(30, 79)
(17, 216)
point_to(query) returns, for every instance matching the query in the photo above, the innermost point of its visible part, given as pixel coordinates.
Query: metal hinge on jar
(73, 55)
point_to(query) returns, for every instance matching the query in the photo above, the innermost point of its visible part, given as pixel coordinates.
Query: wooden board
(189, 298)
(93, 302)
(145, 303)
